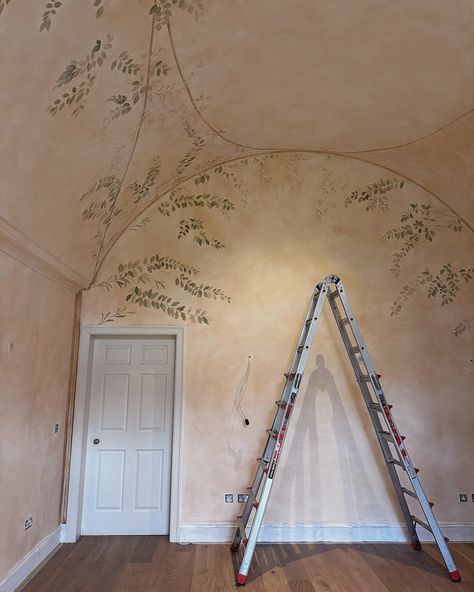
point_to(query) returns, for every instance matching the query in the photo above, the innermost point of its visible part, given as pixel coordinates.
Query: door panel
(128, 458)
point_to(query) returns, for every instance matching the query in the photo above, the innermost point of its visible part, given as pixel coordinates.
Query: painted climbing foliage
(146, 282)
(420, 223)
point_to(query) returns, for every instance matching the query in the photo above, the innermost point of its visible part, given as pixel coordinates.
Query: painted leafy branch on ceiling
(443, 285)
(420, 223)
(162, 10)
(193, 226)
(146, 281)
(3, 3)
(79, 76)
(52, 8)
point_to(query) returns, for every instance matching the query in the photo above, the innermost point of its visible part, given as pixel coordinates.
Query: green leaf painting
(419, 223)
(79, 77)
(146, 284)
(375, 195)
(443, 285)
(162, 10)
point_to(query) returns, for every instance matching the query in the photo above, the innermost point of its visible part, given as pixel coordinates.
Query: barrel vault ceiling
(107, 105)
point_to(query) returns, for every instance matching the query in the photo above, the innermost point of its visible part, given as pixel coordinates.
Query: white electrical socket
(229, 498)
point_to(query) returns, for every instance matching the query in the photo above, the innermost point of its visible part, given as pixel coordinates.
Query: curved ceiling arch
(380, 167)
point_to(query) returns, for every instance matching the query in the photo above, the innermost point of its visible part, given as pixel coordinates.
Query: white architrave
(76, 482)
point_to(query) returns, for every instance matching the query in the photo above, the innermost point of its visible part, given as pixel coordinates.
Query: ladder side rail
(287, 389)
(384, 445)
(277, 421)
(399, 444)
(307, 336)
(249, 504)
(435, 529)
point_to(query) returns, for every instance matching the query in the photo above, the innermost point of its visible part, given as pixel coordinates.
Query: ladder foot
(416, 545)
(235, 547)
(240, 580)
(455, 575)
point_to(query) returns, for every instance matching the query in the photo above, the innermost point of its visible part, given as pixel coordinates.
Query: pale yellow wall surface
(290, 227)
(36, 316)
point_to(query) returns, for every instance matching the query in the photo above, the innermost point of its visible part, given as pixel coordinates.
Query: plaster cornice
(17, 245)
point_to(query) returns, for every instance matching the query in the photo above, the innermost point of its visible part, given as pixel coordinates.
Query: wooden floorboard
(153, 564)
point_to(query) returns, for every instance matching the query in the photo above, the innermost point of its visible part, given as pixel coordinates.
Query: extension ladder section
(392, 444)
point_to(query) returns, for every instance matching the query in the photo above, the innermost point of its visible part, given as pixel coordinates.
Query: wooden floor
(142, 564)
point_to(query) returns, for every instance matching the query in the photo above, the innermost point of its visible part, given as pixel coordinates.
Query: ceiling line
(134, 144)
(230, 141)
(421, 139)
(193, 103)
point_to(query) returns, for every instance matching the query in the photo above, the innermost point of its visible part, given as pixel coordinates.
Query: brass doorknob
(96, 441)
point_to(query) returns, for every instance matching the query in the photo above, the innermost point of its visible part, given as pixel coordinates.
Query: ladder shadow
(279, 555)
(306, 434)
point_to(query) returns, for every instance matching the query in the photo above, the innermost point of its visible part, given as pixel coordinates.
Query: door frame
(71, 530)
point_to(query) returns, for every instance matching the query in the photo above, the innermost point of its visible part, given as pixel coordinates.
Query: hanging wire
(238, 398)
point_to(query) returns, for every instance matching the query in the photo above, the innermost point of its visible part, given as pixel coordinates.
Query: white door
(128, 459)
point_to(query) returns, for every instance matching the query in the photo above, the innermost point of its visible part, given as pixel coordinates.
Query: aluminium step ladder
(392, 445)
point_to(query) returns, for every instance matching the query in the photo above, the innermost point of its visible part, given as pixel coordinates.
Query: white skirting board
(223, 532)
(18, 574)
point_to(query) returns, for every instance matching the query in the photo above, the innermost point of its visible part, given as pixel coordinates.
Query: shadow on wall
(353, 477)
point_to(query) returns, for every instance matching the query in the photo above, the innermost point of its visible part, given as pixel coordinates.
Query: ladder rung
(409, 492)
(421, 523)
(241, 526)
(282, 404)
(354, 349)
(272, 433)
(387, 435)
(345, 321)
(394, 461)
(333, 295)
(364, 378)
(375, 407)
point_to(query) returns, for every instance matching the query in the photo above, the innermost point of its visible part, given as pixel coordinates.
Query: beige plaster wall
(36, 316)
(291, 226)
